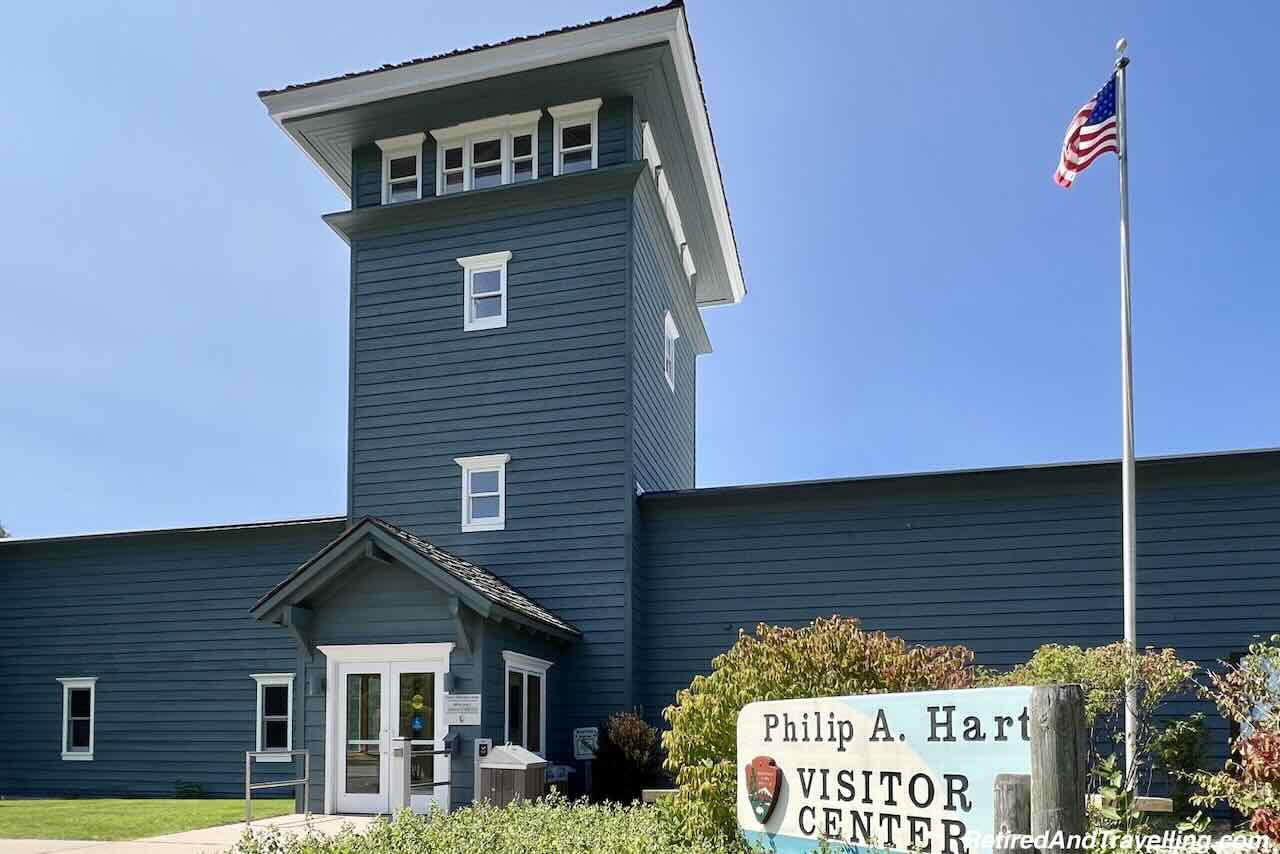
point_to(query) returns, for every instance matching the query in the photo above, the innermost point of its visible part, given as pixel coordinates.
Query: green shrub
(549, 826)
(1103, 672)
(1180, 750)
(627, 758)
(828, 658)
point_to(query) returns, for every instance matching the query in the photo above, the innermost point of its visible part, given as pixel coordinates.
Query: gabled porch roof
(376, 539)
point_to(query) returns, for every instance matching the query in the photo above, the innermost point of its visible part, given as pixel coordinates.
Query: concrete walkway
(210, 840)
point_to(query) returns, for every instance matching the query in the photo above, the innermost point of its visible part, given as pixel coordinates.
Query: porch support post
(460, 624)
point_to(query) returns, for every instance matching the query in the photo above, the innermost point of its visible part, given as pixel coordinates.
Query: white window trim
(483, 463)
(275, 680)
(70, 683)
(471, 265)
(503, 128)
(396, 147)
(574, 114)
(670, 335)
(526, 665)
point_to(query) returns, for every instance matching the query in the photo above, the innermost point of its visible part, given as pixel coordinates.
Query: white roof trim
(668, 26)
(186, 529)
(493, 124)
(577, 108)
(400, 143)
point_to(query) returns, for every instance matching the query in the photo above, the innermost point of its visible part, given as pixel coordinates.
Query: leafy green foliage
(1104, 672)
(1180, 750)
(828, 658)
(1248, 694)
(549, 826)
(1115, 807)
(627, 759)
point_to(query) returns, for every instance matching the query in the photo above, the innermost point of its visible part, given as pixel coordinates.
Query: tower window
(453, 175)
(486, 163)
(576, 136)
(524, 165)
(402, 167)
(484, 492)
(484, 297)
(669, 336)
(487, 153)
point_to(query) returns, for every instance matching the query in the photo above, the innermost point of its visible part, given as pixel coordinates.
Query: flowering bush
(1248, 694)
(828, 658)
(550, 826)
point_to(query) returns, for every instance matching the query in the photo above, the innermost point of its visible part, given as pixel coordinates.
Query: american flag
(1091, 134)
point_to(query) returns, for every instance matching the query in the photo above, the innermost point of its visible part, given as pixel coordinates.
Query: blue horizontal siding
(551, 389)
(998, 561)
(163, 621)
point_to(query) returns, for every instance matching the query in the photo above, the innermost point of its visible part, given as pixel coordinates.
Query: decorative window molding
(526, 701)
(402, 167)
(484, 492)
(668, 201)
(484, 291)
(670, 334)
(573, 150)
(79, 716)
(487, 153)
(270, 717)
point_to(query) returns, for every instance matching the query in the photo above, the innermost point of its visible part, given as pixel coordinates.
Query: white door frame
(429, 656)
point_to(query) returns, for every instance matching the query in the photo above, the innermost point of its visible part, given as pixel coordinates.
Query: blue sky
(173, 312)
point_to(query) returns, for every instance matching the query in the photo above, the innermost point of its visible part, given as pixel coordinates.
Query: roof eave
(668, 26)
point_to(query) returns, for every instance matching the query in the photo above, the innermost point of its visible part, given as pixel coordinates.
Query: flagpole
(1128, 467)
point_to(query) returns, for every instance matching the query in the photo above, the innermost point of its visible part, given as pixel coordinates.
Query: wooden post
(1059, 759)
(1012, 812)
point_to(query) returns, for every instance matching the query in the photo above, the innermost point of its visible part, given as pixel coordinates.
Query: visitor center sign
(906, 772)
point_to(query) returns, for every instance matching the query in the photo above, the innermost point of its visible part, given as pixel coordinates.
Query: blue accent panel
(163, 621)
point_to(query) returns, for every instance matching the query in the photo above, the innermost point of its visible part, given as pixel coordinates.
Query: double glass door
(379, 702)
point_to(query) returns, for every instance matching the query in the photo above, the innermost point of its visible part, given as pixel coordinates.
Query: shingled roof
(443, 567)
(674, 4)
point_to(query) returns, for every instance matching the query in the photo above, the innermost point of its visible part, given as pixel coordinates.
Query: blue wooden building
(534, 229)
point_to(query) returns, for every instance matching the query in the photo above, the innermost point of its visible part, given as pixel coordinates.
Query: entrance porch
(391, 632)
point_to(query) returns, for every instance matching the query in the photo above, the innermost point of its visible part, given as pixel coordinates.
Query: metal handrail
(413, 751)
(250, 787)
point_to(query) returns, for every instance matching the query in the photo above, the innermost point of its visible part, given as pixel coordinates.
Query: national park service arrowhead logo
(764, 782)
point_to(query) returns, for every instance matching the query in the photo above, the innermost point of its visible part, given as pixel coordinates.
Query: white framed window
(484, 492)
(669, 337)
(487, 161)
(526, 701)
(576, 136)
(484, 291)
(79, 700)
(487, 153)
(402, 167)
(275, 715)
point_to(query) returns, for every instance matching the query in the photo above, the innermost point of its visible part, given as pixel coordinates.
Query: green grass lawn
(124, 818)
